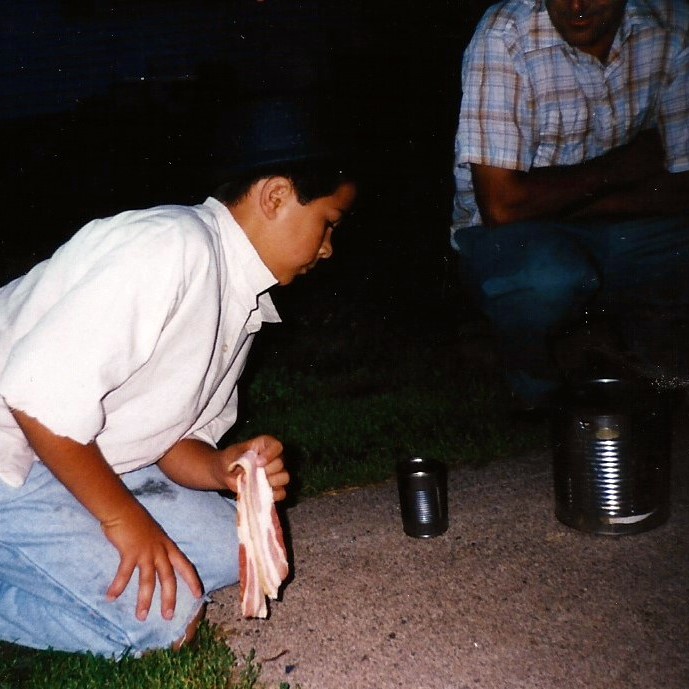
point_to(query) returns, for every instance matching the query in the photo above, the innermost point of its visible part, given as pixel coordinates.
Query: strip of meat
(262, 556)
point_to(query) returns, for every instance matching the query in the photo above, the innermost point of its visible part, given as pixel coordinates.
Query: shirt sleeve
(495, 122)
(98, 332)
(674, 114)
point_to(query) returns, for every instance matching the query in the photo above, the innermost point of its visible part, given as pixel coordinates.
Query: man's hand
(642, 158)
(143, 545)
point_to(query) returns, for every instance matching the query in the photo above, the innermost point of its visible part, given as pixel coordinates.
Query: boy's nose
(326, 250)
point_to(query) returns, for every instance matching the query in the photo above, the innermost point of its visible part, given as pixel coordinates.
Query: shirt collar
(637, 13)
(239, 250)
(542, 33)
(233, 238)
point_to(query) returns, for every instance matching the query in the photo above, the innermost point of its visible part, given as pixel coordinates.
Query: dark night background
(110, 105)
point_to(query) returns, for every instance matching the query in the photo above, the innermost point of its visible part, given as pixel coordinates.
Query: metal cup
(422, 485)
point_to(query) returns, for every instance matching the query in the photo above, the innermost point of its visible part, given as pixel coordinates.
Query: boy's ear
(274, 192)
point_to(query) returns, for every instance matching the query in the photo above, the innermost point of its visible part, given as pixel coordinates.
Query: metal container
(422, 485)
(611, 456)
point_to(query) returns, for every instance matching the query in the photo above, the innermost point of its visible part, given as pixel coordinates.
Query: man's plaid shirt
(532, 100)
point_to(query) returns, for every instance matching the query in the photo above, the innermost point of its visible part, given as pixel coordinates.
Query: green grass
(346, 406)
(349, 415)
(208, 664)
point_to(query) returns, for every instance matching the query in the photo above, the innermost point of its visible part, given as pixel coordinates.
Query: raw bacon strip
(262, 557)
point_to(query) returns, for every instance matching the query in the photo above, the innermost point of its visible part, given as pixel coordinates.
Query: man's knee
(542, 287)
(528, 264)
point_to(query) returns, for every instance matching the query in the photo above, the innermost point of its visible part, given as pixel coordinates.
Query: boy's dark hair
(312, 179)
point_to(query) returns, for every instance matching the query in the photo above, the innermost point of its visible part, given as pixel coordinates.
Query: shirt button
(225, 348)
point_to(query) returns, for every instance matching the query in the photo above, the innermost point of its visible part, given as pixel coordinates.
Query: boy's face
(301, 234)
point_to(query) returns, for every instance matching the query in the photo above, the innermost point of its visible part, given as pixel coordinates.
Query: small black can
(422, 485)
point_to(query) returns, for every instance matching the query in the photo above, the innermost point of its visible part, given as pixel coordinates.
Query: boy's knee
(155, 632)
(191, 630)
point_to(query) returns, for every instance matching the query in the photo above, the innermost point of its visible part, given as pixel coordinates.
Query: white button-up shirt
(133, 334)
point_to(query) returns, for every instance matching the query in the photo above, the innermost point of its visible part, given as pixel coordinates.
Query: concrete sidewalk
(507, 598)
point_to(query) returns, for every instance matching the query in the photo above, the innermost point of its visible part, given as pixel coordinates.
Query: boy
(119, 360)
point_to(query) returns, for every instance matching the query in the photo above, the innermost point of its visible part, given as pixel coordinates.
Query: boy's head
(286, 184)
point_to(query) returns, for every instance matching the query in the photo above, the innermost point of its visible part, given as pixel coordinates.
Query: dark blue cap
(268, 132)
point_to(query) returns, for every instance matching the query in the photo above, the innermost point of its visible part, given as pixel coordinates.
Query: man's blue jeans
(533, 279)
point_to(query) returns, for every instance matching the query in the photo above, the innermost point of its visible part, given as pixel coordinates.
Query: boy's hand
(139, 540)
(143, 545)
(269, 451)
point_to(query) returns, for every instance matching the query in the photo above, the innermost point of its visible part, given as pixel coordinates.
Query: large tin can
(612, 456)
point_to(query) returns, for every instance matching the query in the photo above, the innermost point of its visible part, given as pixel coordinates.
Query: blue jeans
(56, 564)
(533, 279)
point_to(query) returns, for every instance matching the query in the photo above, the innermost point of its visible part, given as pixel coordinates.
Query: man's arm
(141, 542)
(596, 187)
(664, 194)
